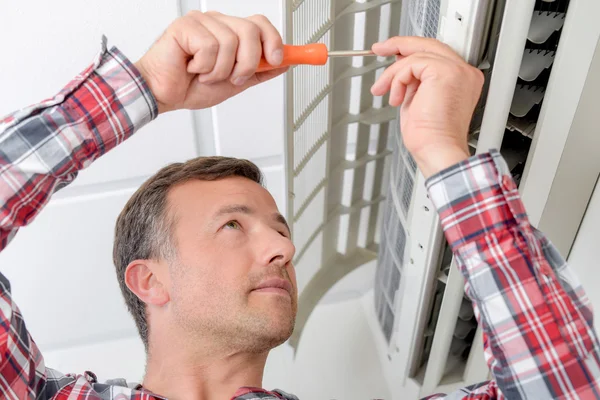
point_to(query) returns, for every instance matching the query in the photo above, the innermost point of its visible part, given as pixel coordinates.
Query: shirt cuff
(123, 90)
(116, 81)
(476, 197)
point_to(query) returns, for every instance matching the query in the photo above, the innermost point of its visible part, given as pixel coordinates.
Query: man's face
(232, 280)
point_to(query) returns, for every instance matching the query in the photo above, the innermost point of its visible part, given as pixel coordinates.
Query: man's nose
(277, 249)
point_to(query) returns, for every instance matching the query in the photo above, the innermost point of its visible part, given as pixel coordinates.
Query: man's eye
(232, 225)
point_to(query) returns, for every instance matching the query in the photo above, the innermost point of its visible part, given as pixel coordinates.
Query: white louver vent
(337, 143)
(542, 42)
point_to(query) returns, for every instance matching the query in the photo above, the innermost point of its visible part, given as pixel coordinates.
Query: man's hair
(144, 227)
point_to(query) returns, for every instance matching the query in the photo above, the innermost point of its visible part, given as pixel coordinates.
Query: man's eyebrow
(242, 209)
(234, 208)
(281, 219)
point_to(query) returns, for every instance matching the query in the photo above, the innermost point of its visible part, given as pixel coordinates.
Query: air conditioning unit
(355, 194)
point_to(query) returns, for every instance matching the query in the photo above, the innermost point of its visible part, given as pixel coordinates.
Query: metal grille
(394, 237)
(430, 25)
(419, 18)
(422, 18)
(406, 182)
(388, 279)
(337, 146)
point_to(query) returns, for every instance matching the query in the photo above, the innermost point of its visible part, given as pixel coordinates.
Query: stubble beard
(249, 330)
(259, 334)
(233, 325)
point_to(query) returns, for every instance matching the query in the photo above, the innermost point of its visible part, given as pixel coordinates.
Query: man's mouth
(274, 285)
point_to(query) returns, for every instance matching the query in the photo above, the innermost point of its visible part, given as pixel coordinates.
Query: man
(204, 258)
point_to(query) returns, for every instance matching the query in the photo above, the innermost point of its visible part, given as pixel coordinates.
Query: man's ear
(143, 279)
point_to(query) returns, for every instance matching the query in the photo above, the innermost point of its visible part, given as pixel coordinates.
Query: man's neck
(177, 373)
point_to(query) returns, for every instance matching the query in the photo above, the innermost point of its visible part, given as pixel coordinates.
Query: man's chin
(269, 340)
(280, 328)
(272, 332)
(268, 323)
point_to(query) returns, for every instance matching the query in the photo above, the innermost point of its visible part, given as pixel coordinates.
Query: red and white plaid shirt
(537, 321)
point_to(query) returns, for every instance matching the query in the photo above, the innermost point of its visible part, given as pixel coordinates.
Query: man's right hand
(437, 91)
(203, 59)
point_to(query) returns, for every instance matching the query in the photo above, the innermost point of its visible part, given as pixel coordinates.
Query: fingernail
(240, 80)
(277, 57)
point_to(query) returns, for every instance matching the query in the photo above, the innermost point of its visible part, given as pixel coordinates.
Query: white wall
(337, 357)
(61, 267)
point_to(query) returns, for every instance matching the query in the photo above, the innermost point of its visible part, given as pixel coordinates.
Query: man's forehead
(217, 211)
(215, 195)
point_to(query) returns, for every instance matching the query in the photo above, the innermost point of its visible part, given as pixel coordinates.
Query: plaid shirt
(537, 321)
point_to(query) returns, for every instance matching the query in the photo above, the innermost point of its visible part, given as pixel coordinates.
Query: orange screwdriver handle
(311, 54)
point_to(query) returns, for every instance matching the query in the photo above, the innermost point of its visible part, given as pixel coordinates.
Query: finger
(398, 87)
(261, 77)
(417, 69)
(268, 75)
(403, 87)
(384, 83)
(404, 84)
(195, 41)
(205, 54)
(411, 91)
(272, 42)
(228, 45)
(229, 90)
(408, 45)
(249, 50)
(377, 88)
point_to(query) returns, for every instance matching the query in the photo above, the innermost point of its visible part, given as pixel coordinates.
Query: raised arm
(537, 321)
(43, 147)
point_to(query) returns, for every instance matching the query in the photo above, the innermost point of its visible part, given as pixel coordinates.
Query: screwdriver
(310, 54)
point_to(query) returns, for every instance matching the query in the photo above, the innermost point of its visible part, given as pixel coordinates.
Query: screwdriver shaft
(351, 53)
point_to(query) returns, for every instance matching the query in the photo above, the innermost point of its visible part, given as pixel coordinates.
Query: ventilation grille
(419, 18)
(337, 143)
(394, 235)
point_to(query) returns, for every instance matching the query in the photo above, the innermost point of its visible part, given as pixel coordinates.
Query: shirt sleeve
(539, 340)
(42, 147)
